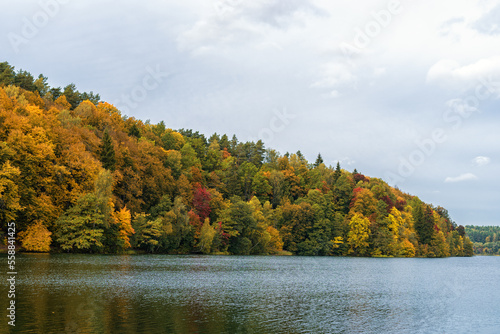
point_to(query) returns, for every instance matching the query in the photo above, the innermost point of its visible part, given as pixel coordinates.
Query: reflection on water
(232, 294)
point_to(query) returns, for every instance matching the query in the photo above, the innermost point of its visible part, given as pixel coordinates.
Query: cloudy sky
(402, 90)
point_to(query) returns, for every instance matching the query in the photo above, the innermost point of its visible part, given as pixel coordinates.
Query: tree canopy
(78, 176)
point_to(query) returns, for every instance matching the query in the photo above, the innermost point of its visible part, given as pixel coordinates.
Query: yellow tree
(275, 243)
(358, 235)
(438, 246)
(36, 238)
(9, 196)
(122, 220)
(207, 235)
(364, 203)
(395, 222)
(267, 237)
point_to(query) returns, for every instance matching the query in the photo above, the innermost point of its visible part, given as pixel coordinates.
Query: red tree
(201, 202)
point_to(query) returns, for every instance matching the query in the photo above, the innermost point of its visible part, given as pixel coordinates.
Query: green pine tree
(107, 152)
(319, 160)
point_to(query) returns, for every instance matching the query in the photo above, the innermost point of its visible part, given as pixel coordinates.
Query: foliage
(358, 235)
(103, 182)
(36, 238)
(485, 239)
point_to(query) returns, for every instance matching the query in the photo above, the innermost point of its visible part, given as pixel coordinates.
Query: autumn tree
(121, 230)
(207, 235)
(359, 234)
(83, 226)
(9, 195)
(36, 238)
(201, 202)
(188, 194)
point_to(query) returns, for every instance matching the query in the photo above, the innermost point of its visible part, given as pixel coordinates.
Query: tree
(337, 173)
(247, 172)
(124, 230)
(342, 190)
(107, 152)
(438, 246)
(319, 160)
(365, 203)
(7, 74)
(239, 223)
(206, 237)
(36, 238)
(134, 131)
(25, 80)
(189, 157)
(261, 187)
(275, 243)
(72, 95)
(468, 247)
(257, 153)
(359, 234)
(213, 159)
(9, 194)
(424, 223)
(81, 228)
(148, 232)
(41, 85)
(94, 98)
(173, 161)
(295, 224)
(201, 202)
(277, 183)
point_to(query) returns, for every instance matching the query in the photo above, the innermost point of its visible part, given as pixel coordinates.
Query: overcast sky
(402, 90)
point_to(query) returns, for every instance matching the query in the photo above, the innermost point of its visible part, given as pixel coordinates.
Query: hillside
(78, 176)
(486, 239)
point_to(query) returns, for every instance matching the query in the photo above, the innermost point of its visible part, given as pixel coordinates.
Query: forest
(78, 176)
(486, 239)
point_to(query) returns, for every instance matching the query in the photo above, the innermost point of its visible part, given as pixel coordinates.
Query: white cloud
(460, 178)
(481, 161)
(344, 161)
(449, 73)
(335, 75)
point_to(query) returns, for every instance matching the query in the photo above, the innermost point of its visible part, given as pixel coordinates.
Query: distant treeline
(486, 239)
(78, 176)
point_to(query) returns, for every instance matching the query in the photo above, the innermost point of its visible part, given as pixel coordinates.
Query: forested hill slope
(78, 176)
(486, 239)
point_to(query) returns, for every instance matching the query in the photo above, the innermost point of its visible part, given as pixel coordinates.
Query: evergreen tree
(424, 223)
(25, 80)
(319, 160)
(107, 152)
(72, 95)
(133, 131)
(7, 74)
(337, 173)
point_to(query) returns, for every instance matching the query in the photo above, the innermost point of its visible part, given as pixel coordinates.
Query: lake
(64, 293)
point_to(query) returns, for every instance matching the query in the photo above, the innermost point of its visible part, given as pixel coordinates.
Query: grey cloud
(489, 23)
(236, 21)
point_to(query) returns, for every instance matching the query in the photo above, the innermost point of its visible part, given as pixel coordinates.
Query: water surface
(253, 294)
